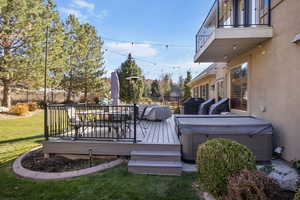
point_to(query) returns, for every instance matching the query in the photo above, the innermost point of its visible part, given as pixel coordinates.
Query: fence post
(135, 111)
(46, 133)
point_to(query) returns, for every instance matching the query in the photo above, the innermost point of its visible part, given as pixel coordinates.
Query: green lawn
(20, 135)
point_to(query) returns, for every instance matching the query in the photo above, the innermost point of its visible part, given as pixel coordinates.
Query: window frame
(236, 110)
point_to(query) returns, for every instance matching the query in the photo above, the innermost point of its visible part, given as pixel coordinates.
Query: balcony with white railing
(231, 28)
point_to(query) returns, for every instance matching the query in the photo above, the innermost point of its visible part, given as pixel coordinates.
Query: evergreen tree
(73, 49)
(181, 85)
(147, 88)
(187, 89)
(130, 91)
(90, 61)
(57, 62)
(83, 47)
(22, 36)
(155, 91)
(165, 85)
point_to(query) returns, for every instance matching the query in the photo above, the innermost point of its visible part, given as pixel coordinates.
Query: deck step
(171, 156)
(155, 167)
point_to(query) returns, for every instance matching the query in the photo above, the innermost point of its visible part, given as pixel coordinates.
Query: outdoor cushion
(157, 113)
(204, 107)
(219, 107)
(141, 109)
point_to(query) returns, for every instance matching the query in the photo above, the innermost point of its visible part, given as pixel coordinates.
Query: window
(194, 92)
(239, 85)
(206, 91)
(220, 89)
(264, 4)
(200, 88)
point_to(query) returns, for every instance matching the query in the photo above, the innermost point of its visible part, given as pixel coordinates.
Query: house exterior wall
(274, 78)
(210, 81)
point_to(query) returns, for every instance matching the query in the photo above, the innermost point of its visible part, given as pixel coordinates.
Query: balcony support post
(218, 13)
(269, 12)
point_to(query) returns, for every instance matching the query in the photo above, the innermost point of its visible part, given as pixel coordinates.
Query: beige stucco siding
(209, 80)
(274, 78)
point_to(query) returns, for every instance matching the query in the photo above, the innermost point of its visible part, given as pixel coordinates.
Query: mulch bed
(37, 162)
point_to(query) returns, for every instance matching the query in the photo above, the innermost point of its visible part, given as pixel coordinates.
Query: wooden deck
(158, 132)
(157, 136)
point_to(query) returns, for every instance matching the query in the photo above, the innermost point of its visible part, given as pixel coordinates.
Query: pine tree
(181, 85)
(155, 89)
(90, 62)
(73, 49)
(165, 85)
(57, 62)
(22, 36)
(187, 89)
(130, 91)
(147, 88)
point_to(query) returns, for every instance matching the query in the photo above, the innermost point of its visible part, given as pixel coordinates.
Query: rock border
(26, 173)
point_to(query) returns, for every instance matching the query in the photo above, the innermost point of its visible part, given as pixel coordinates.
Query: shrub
(41, 104)
(96, 100)
(218, 159)
(32, 106)
(248, 185)
(297, 195)
(19, 109)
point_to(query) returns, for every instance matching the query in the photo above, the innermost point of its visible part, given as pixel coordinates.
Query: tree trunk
(6, 101)
(69, 95)
(85, 95)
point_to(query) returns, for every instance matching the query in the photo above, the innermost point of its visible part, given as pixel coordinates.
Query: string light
(149, 43)
(161, 71)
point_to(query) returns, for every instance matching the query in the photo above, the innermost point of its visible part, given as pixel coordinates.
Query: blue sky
(167, 22)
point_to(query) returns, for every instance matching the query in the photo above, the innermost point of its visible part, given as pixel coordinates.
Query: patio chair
(205, 106)
(141, 117)
(219, 107)
(82, 123)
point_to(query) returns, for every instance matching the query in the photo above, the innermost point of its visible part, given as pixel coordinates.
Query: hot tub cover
(223, 125)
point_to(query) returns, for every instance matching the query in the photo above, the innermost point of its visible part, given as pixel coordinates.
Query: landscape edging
(26, 173)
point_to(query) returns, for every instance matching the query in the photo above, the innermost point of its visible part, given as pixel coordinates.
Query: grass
(20, 135)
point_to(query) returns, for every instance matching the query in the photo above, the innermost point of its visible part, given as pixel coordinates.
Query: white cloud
(102, 14)
(85, 11)
(76, 13)
(84, 4)
(143, 50)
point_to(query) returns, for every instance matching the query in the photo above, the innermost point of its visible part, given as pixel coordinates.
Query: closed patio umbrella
(115, 88)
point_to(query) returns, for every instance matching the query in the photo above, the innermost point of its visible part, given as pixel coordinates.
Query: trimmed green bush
(218, 159)
(248, 185)
(297, 195)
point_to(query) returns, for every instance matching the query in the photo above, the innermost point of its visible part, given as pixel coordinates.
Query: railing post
(135, 111)
(218, 14)
(46, 130)
(269, 12)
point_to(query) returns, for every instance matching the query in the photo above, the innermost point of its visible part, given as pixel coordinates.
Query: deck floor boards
(148, 132)
(159, 132)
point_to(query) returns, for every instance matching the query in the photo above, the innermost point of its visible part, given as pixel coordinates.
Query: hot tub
(254, 133)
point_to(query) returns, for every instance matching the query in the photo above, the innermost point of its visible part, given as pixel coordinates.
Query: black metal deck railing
(81, 121)
(234, 14)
